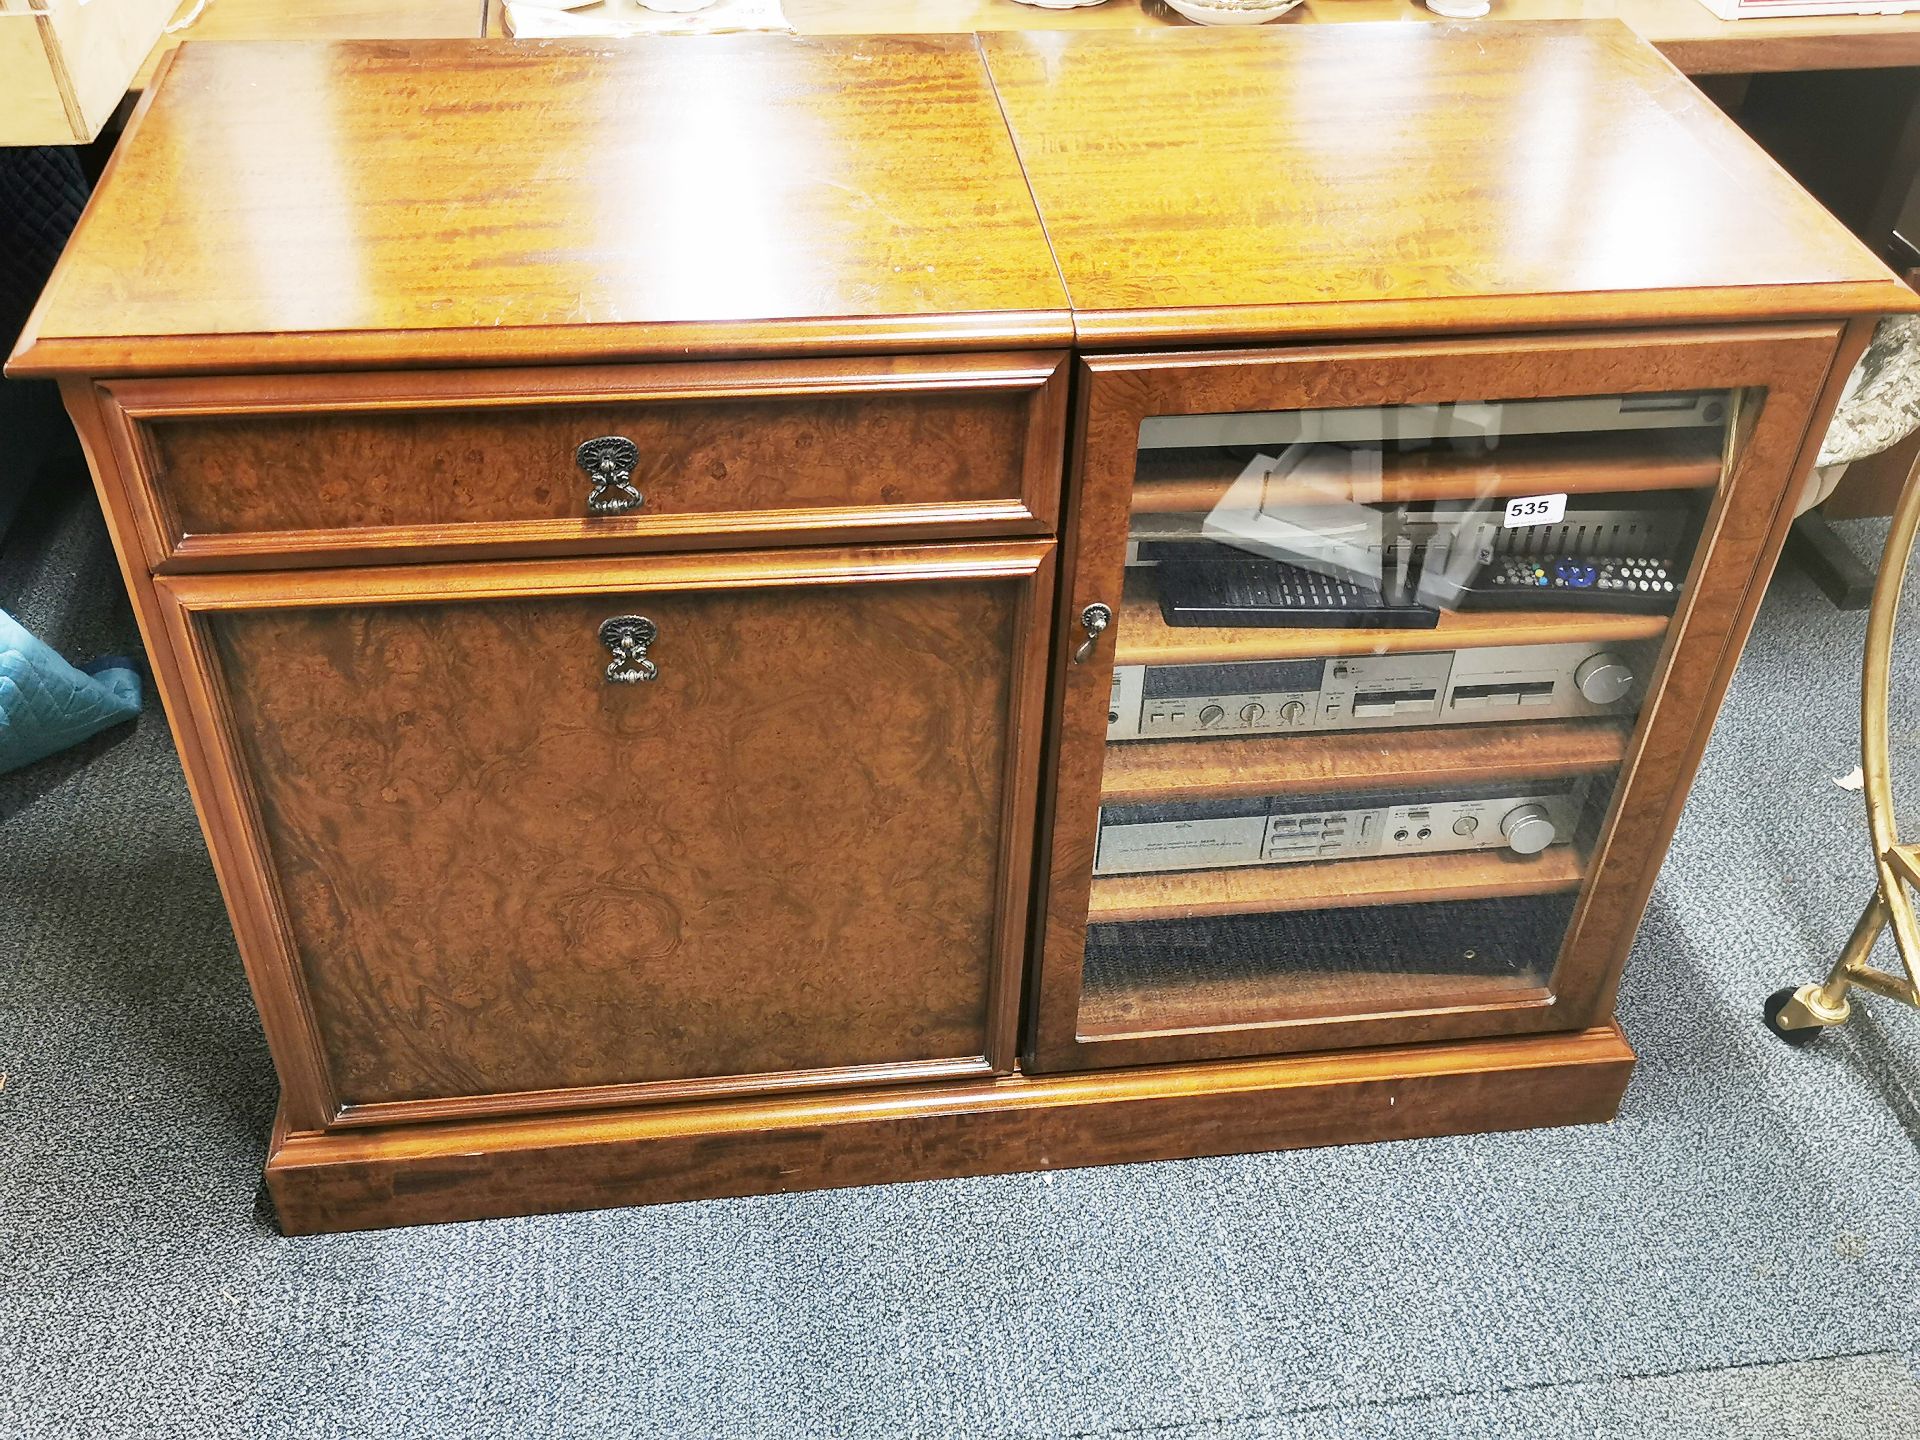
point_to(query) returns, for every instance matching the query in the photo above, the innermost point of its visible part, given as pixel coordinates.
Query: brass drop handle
(628, 637)
(1093, 620)
(608, 462)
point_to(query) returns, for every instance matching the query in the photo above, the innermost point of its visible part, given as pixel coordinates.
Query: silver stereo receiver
(1478, 423)
(1268, 830)
(1358, 692)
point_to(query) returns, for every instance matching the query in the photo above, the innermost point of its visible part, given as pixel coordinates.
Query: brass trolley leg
(1797, 1016)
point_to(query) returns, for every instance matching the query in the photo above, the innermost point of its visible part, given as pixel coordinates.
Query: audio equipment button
(1528, 829)
(1603, 679)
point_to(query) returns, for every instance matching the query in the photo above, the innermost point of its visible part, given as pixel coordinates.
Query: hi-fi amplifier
(1276, 830)
(1358, 692)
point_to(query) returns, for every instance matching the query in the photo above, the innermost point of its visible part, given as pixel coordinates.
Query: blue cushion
(47, 705)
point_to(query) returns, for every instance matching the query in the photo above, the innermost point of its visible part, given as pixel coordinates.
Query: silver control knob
(1253, 714)
(1210, 714)
(1527, 828)
(1604, 678)
(1292, 711)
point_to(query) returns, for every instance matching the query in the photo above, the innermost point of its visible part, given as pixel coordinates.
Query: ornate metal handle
(608, 463)
(1093, 620)
(628, 637)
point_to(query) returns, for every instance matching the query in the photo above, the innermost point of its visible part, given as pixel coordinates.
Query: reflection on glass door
(1374, 675)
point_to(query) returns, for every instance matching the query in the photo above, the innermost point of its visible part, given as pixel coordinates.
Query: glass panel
(1375, 673)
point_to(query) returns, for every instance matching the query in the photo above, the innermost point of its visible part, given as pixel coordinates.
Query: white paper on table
(555, 19)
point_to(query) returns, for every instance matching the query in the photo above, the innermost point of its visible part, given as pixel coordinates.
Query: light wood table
(319, 20)
(1685, 31)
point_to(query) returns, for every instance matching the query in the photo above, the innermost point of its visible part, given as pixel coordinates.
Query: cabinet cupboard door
(1394, 663)
(535, 835)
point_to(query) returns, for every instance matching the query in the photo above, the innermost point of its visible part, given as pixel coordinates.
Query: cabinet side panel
(179, 675)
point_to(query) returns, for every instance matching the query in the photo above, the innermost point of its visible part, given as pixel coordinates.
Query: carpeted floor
(1739, 1254)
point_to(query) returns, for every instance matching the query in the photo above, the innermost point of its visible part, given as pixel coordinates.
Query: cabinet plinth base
(471, 1170)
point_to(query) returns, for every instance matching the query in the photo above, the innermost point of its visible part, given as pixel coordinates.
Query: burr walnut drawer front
(232, 472)
(564, 833)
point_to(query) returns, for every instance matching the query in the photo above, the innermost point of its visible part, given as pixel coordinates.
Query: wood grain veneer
(1514, 182)
(282, 470)
(465, 1171)
(288, 206)
(797, 857)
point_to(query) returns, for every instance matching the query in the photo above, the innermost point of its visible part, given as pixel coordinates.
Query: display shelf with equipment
(1142, 636)
(1273, 785)
(1267, 781)
(1254, 785)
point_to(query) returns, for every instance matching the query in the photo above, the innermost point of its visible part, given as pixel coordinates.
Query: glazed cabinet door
(549, 835)
(1385, 670)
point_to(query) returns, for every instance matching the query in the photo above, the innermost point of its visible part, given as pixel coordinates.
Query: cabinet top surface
(474, 201)
(1209, 184)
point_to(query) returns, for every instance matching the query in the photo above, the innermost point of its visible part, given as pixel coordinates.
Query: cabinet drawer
(499, 870)
(232, 472)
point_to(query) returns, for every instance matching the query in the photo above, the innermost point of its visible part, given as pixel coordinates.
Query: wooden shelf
(1142, 637)
(1335, 884)
(1209, 1002)
(1145, 770)
(1187, 481)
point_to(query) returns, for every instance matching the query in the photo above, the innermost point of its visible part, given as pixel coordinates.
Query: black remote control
(1274, 594)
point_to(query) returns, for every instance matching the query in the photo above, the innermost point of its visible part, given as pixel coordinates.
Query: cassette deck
(1275, 830)
(1357, 692)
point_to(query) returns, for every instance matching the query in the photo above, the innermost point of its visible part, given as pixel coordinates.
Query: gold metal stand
(1798, 1016)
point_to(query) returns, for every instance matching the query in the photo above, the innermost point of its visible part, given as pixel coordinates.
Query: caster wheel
(1776, 1002)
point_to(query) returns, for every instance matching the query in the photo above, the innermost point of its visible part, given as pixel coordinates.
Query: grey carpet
(1736, 1255)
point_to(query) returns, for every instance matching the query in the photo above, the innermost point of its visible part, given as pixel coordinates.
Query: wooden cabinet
(680, 574)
